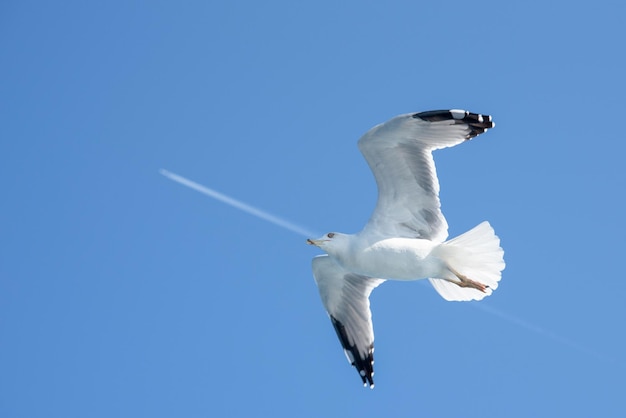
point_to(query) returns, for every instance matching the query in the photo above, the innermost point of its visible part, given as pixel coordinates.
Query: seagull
(405, 238)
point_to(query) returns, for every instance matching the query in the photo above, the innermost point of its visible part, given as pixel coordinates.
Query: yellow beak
(316, 242)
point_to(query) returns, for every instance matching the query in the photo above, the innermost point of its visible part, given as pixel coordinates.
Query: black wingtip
(364, 364)
(476, 122)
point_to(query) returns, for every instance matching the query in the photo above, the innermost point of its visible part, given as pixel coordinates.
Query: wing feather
(399, 153)
(345, 296)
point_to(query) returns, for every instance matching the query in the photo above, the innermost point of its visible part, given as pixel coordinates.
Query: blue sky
(125, 294)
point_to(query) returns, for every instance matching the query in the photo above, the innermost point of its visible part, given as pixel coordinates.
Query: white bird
(405, 238)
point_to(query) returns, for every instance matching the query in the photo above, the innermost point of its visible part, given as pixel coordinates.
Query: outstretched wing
(346, 298)
(399, 153)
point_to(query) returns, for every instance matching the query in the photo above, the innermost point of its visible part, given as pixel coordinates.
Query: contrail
(306, 233)
(538, 330)
(239, 205)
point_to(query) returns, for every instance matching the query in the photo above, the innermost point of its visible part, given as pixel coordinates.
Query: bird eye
(330, 234)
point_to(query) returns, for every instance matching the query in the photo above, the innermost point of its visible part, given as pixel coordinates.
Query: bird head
(331, 242)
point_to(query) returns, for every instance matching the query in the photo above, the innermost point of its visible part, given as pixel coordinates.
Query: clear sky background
(125, 294)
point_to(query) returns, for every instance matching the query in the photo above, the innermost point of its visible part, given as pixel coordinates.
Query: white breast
(395, 258)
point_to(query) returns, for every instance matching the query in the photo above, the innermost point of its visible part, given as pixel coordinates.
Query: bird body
(405, 238)
(391, 258)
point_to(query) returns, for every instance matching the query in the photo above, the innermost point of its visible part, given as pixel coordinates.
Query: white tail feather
(475, 254)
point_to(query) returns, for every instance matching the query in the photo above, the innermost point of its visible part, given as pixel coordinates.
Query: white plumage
(405, 236)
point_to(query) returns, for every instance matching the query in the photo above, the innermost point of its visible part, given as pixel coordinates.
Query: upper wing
(399, 152)
(346, 298)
